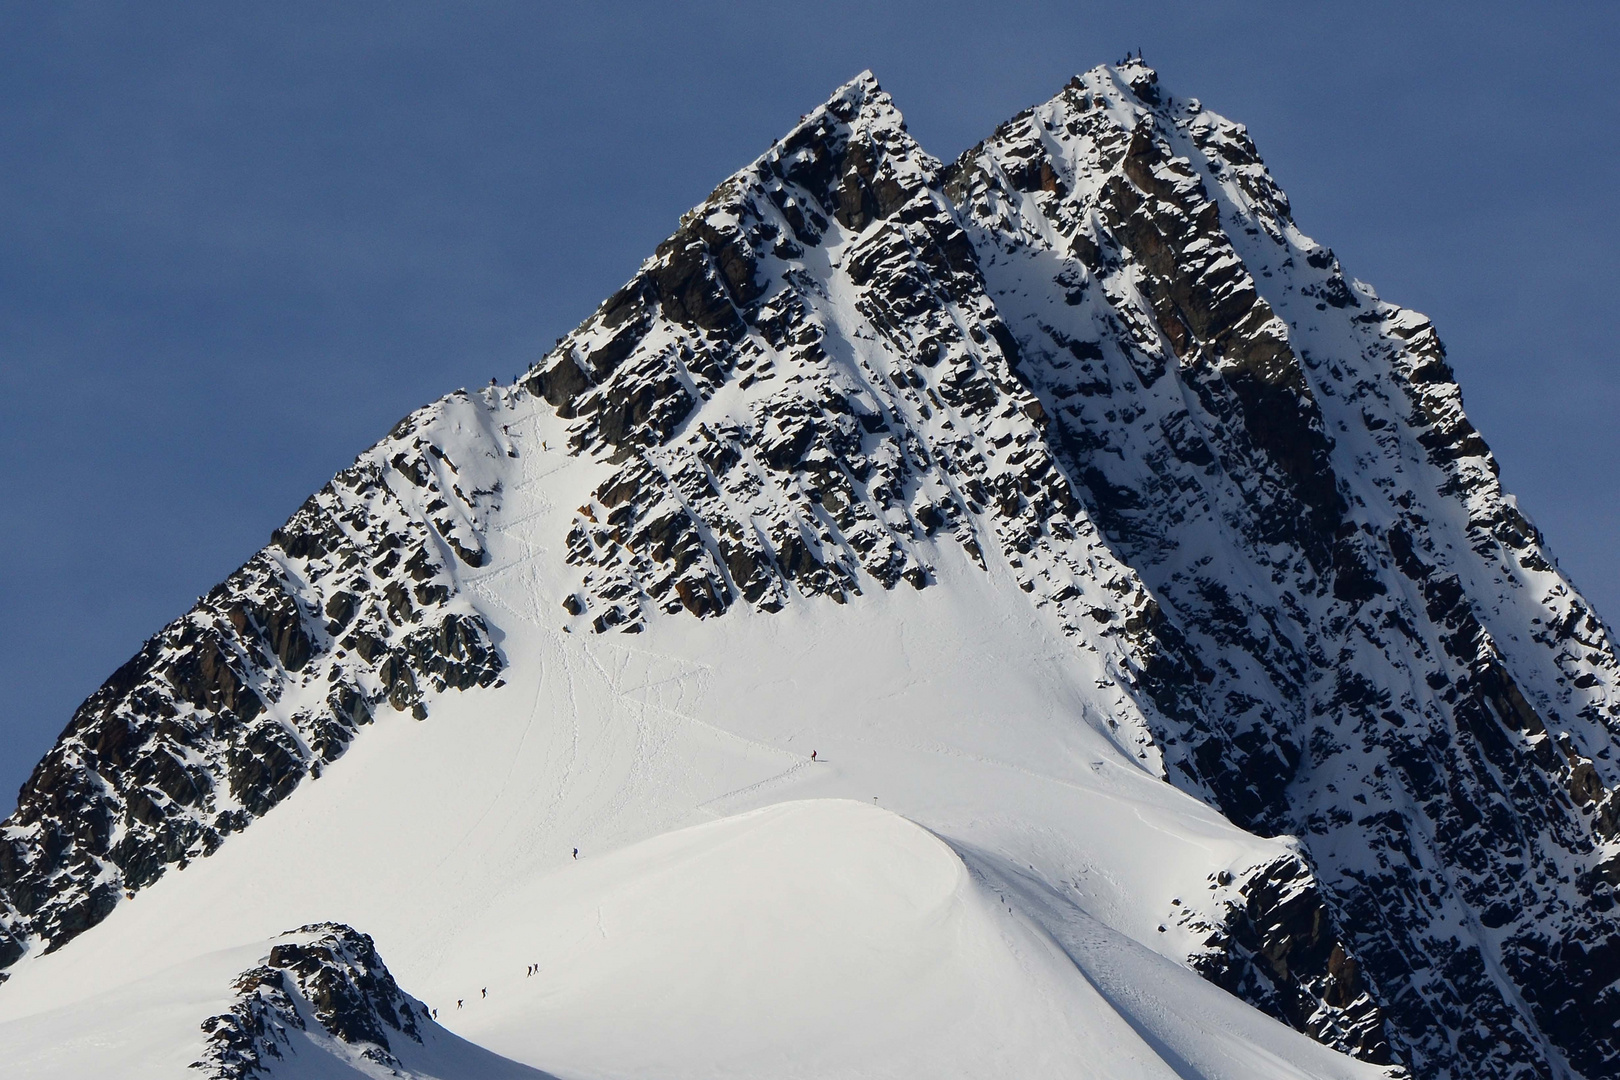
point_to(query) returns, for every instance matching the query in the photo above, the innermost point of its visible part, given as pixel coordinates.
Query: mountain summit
(977, 617)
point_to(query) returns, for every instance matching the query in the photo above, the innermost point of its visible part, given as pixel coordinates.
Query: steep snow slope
(1062, 501)
(836, 939)
(949, 705)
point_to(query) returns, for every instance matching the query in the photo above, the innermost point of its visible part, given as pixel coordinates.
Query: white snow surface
(737, 909)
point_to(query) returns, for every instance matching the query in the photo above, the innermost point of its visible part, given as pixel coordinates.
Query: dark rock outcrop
(327, 976)
(1275, 944)
(226, 711)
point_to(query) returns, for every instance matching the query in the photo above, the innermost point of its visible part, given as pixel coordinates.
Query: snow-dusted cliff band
(1067, 494)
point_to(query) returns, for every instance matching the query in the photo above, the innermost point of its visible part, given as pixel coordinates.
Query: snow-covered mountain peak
(1066, 500)
(860, 101)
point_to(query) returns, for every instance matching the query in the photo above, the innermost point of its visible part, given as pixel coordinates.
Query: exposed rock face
(1096, 353)
(825, 391)
(1274, 944)
(324, 981)
(223, 713)
(1394, 669)
(806, 390)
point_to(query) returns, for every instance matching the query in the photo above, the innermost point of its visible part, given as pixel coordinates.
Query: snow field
(789, 938)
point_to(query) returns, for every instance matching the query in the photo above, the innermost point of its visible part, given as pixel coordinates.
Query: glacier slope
(952, 706)
(832, 938)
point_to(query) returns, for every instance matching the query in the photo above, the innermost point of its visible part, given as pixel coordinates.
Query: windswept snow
(831, 937)
(817, 938)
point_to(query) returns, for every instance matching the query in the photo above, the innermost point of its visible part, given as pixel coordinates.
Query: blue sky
(238, 242)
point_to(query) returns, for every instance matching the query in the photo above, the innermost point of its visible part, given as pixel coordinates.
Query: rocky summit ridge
(1094, 350)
